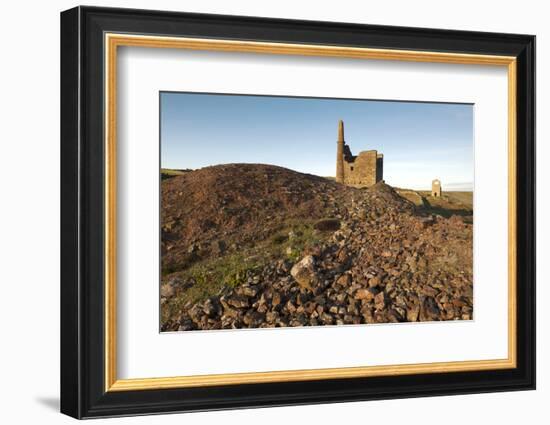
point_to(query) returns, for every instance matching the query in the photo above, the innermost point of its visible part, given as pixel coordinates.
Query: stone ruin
(361, 170)
(436, 188)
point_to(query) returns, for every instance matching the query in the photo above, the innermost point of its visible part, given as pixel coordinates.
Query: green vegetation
(166, 173)
(458, 198)
(211, 274)
(450, 203)
(294, 237)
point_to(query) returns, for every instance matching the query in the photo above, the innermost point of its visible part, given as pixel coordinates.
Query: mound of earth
(251, 245)
(217, 209)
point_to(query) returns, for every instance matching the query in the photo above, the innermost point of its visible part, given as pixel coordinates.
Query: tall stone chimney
(340, 153)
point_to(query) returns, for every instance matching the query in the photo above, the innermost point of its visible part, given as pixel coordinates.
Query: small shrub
(327, 224)
(279, 238)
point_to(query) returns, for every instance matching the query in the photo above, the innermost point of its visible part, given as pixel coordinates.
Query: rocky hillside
(221, 209)
(249, 245)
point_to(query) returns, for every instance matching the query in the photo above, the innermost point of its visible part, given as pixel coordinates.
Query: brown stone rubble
(382, 263)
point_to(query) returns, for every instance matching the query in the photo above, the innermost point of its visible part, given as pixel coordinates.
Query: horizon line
(454, 186)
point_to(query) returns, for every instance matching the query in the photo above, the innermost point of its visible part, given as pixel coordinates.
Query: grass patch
(450, 203)
(166, 173)
(294, 237)
(211, 275)
(279, 238)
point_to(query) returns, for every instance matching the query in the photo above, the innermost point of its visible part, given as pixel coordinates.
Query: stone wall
(363, 171)
(436, 188)
(379, 167)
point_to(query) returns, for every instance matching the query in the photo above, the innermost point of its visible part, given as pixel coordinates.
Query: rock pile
(381, 263)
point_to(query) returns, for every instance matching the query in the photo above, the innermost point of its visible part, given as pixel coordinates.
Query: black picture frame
(83, 392)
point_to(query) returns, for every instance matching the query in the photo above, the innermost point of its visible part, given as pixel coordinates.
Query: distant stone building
(360, 170)
(436, 188)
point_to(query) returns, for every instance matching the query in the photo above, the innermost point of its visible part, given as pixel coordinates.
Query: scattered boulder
(412, 313)
(377, 260)
(327, 224)
(167, 290)
(238, 301)
(253, 318)
(344, 280)
(304, 272)
(380, 301)
(367, 294)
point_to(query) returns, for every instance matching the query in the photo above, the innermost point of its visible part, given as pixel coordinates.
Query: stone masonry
(436, 188)
(361, 170)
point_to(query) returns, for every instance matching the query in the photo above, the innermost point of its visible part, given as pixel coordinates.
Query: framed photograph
(261, 212)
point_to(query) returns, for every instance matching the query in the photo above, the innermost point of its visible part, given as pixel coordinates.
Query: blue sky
(420, 141)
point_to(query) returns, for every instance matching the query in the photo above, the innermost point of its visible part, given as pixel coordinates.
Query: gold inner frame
(113, 41)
